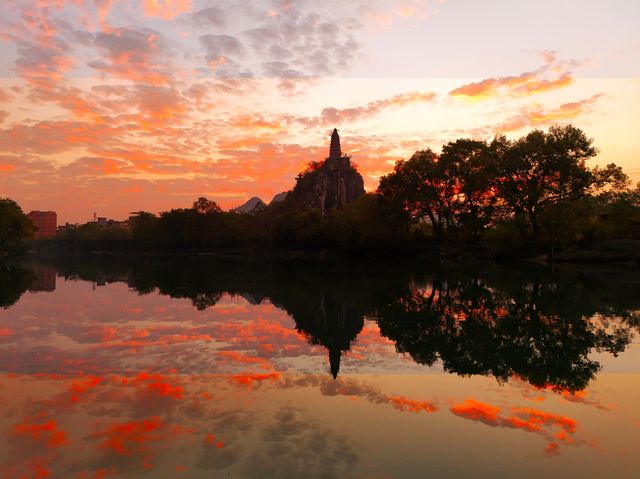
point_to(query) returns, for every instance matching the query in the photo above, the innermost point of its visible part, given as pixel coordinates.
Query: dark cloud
(287, 441)
(49, 60)
(335, 116)
(137, 55)
(212, 16)
(218, 46)
(222, 53)
(308, 43)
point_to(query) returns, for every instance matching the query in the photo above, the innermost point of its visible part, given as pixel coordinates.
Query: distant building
(107, 223)
(46, 223)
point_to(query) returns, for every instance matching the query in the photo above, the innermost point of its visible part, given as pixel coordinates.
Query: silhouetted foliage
(539, 329)
(203, 205)
(473, 185)
(15, 279)
(15, 226)
(526, 197)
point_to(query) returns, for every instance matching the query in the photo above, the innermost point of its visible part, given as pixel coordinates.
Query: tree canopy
(472, 184)
(14, 224)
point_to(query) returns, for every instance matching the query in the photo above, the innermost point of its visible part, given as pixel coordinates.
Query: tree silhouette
(14, 224)
(15, 279)
(203, 205)
(534, 329)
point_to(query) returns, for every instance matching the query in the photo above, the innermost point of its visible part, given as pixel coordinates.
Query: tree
(423, 188)
(144, 227)
(618, 214)
(203, 205)
(543, 169)
(14, 224)
(452, 191)
(15, 279)
(470, 166)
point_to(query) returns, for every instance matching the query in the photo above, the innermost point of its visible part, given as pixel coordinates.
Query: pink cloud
(525, 84)
(136, 55)
(166, 9)
(537, 116)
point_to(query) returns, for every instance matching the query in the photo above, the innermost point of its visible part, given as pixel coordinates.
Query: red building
(46, 223)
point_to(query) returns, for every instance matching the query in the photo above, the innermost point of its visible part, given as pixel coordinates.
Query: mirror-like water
(114, 367)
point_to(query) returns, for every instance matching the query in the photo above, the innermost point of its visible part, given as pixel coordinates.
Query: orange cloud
(333, 116)
(130, 437)
(37, 62)
(78, 387)
(103, 8)
(46, 433)
(353, 389)
(242, 358)
(158, 384)
(537, 116)
(528, 83)
(163, 340)
(252, 379)
(139, 56)
(538, 394)
(477, 411)
(539, 86)
(210, 439)
(411, 405)
(536, 419)
(255, 122)
(166, 9)
(524, 418)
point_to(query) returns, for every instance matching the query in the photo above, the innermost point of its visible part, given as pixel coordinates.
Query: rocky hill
(250, 206)
(329, 185)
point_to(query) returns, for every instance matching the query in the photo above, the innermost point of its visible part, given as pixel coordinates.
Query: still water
(115, 367)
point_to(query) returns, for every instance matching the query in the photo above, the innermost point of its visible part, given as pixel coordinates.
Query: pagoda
(334, 184)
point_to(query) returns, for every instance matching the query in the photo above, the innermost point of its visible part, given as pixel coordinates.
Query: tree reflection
(539, 328)
(15, 279)
(504, 322)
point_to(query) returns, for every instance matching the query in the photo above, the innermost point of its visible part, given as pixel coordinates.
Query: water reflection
(15, 278)
(537, 327)
(503, 322)
(207, 367)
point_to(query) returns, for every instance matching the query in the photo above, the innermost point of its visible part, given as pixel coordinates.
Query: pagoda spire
(334, 150)
(334, 360)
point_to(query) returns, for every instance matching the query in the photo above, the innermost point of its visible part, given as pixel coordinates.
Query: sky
(114, 106)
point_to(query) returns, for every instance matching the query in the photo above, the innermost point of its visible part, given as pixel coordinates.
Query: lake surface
(121, 367)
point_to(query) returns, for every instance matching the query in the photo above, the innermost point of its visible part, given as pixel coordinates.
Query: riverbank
(622, 252)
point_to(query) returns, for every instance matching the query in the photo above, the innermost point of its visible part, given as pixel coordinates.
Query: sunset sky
(113, 106)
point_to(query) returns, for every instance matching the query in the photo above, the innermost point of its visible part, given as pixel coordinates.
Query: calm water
(119, 368)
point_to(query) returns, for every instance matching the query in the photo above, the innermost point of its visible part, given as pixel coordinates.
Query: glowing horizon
(110, 106)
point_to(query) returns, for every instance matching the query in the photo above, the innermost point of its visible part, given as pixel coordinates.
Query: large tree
(424, 189)
(14, 224)
(544, 168)
(203, 205)
(452, 191)
(469, 165)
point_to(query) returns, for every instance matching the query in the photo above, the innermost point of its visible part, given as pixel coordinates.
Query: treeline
(534, 194)
(15, 227)
(369, 224)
